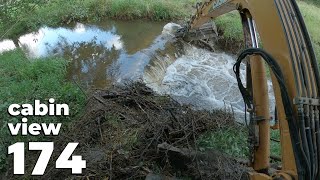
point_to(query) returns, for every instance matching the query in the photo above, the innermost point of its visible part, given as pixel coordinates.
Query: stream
(121, 52)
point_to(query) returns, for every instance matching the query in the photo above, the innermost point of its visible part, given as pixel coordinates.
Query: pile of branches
(131, 133)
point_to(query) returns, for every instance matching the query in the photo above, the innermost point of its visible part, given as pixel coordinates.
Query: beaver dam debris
(131, 133)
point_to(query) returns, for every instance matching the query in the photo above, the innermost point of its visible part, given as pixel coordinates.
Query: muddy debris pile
(131, 133)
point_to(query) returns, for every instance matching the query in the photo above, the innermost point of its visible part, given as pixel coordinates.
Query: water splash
(6, 45)
(200, 78)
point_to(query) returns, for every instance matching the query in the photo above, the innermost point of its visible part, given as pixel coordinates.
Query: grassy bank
(312, 18)
(58, 12)
(231, 28)
(22, 81)
(93, 10)
(314, 2)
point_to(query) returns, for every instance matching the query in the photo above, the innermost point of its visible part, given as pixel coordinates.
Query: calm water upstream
(100, 53)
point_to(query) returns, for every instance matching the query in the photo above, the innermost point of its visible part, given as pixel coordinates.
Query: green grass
(231, 26)
(314, 2)
(275, 147)
(311, 16)
(229, 140)
(156, 10)
(58, 12)
(233, 141)
(22, 81)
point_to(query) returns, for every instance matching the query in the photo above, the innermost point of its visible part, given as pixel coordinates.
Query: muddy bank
(130, 133)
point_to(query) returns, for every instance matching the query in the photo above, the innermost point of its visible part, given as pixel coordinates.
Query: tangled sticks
(130, 133)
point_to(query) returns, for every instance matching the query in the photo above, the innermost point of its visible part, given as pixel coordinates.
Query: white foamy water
(6, 45)
(200, 78)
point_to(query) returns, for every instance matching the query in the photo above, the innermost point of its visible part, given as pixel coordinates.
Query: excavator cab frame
(278, 25)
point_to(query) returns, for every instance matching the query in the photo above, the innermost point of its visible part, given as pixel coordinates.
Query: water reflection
(52, 41)
(98, 54)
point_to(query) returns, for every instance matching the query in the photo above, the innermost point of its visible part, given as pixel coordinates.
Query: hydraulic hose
(317, 133)
(315, 126)
(308, 82)
(304, 139)
(311, 143)
(302, 163)
(308, 42)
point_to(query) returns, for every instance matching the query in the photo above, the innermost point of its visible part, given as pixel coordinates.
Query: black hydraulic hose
(314, 63)
(308, 43)
(303, 58)
(315, 121)
(276, 120)
(295, 47)
(305, 71)
(314, 139)
(310, 141)
(299, 154)
(317, 124)
(304, 139)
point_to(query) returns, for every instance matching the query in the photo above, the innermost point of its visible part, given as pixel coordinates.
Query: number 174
(76, 163)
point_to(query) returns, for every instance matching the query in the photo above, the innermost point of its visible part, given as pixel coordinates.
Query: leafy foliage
(13, 15)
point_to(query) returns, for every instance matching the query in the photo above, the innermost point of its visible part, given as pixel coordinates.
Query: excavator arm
(278, 27)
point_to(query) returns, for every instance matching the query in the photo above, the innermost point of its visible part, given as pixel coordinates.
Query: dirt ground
(131, 133)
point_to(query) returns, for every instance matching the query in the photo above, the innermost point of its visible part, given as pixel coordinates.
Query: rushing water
(122, 52)
(201, 78)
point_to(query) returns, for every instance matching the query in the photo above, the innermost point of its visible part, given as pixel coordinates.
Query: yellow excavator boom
(277, 26)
